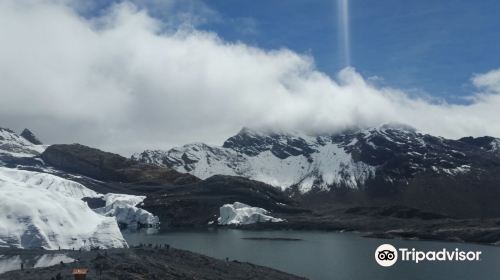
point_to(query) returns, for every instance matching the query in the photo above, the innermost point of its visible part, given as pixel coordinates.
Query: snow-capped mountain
(13, 145)
(391, 154)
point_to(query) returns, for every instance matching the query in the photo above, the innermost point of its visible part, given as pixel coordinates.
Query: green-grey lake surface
(326, 255)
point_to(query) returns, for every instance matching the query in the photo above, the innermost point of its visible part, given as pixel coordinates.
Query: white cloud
(489, 81)
(123, 83)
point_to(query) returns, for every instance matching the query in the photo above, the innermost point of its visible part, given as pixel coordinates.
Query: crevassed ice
(34, 215)
(123, 208)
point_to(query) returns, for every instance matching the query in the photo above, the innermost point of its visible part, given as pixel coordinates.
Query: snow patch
(495, 145)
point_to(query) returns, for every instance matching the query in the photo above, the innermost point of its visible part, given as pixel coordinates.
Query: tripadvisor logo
(387, 255)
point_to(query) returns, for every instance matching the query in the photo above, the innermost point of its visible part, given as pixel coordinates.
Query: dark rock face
(101, 165)
(28, 135)
(486, 143)
(282, 146)
(403, 153)
(94, 202)
(198, 204)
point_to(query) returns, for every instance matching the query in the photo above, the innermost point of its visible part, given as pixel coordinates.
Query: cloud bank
(124, 82)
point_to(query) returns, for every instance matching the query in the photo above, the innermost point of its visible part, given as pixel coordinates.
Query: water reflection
(9, 263)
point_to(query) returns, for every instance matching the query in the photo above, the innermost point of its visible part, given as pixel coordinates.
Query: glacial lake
(326, 255)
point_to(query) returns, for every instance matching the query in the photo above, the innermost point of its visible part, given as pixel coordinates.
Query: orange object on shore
(80, 273)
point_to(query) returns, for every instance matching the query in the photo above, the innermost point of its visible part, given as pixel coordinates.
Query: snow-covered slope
(34, 212)
(315, 163)
(386, 154)
(49, 182)
(12, 144)
(123, 208)
(242, 214)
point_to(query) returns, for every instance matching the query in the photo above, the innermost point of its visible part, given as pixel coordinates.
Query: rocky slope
(199, 204)
(31, 137)
(147, 263)
(105, 166)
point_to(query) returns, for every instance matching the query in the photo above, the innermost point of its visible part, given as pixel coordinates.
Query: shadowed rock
(101, 165)
(30, 136)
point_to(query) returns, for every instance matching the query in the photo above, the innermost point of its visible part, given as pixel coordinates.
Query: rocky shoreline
(143, 263)
(391, 222)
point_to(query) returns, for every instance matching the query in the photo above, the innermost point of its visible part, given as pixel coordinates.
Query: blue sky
(430, 47)
(434, 46)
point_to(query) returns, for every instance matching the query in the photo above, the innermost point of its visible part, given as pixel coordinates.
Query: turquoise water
(326, 255)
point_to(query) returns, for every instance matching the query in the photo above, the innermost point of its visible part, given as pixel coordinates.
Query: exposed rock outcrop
(30, 136)
(101, 165)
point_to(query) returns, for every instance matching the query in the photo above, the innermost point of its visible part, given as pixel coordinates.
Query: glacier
(35, 214)
(242, 214)
(44, 210)
(49, 182)
(123, 208)
(39, 209)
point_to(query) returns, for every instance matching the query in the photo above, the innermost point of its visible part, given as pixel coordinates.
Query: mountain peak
(398, 126)
(245, 130)
(282, 145)
(30, 136)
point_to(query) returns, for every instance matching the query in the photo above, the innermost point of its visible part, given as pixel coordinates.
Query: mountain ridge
(409, 177)
(350, 159)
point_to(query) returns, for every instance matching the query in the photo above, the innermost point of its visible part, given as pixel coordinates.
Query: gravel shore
(142, 263)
